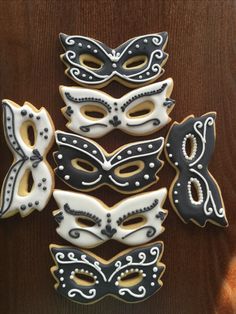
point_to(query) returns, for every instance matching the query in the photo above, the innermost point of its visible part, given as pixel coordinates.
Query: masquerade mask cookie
(87, 222)
(192, 171)
(140, 112)
(86, 278)
(18, 195)
(136, 62)
(85, 165)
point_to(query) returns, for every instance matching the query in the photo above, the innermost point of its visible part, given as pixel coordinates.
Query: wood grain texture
(200, 275)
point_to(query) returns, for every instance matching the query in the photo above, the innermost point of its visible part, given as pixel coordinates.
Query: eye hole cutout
(83, 279)
(135, 62)
(189, 146)
(85, 222)
(141, 110)
(130, 279)
(90, 62)
(195, 191)
(26, 183)
(134, 222)
(129, 169)
(28, 133)
(93, 112)
(83, 165)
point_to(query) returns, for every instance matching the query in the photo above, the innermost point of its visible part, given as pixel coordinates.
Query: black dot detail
(40, 184)
(44, 179)
(37, 203)
(44, 188)
(38, 118)
(31, 115)
(30, 204)
(46, 129)
(23, 112)
(45, 137)
(23, 207)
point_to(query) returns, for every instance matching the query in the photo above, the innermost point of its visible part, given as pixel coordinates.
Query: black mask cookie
(138, 61)
(192, 171)
(85, 165)
(86, 278)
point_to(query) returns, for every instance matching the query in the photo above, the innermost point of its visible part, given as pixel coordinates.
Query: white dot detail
(129, 52)
(61, 167)
(150, 146)
(200, 166)
(74, 141)
(137, 183)
(139, 149)
(63, 139)
(67, 177)
(85, 146)
(119, 157)
(94, 152)
(59, 156)
(146, 176)
(151, 165)
(129, 152)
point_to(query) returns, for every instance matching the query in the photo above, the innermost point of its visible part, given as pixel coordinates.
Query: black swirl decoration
(86, 128)
(75, 233)
(150, 232)
(154, 122)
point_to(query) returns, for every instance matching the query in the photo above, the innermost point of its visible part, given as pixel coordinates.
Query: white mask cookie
(18, 195)
(140, 112)
(87, 222)
(138, 61)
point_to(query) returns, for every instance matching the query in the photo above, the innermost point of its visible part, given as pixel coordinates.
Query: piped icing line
(108, 277)
(28, 158)
(114, 64)
(107, 168)
(192, 171)
(125, 113)
(109, 223)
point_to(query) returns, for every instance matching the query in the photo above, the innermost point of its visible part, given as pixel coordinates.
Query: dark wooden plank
(202, 46)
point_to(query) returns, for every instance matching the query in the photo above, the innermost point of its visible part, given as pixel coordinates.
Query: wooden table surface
(201, 263)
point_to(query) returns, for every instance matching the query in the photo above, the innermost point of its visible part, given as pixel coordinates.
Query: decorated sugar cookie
(87, 222)
(18, 195)
(138, 61)
(192, 171)
(140, 112)
(85, 165)
(86, 278)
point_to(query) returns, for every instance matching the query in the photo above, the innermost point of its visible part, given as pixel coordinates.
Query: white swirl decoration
(72, 293)
(60, 258)
(70, 41)
(159, 54)
(154, 251)
(70, 55)
(141, 289)
(157, 40)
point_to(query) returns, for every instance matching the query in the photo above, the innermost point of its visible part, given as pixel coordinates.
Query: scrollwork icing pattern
(107, 274)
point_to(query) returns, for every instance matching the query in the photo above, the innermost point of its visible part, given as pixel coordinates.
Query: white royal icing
(108, 222)
(15, 197)
(116, 110)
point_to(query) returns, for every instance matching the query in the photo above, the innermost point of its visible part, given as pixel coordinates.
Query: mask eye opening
(93, 112)
(28, 133)
(130, 278)
(85, 222)
(90, 62)
(195, 191)
(129, 169)
(189, 146)
(141, 110)
(83, 165)
(82, 278)
(134, 222)
(26, 183)
(136, 62)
